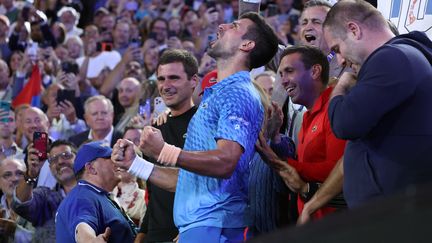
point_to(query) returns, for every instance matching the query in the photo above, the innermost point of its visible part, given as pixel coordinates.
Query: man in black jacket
(177, 77)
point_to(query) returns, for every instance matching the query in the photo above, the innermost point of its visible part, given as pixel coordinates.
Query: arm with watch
(23, 191)
(29, 201)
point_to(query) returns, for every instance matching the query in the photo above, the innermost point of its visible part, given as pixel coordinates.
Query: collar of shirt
(234, 78)
(91, 186)
(321, 101)
(106, 139)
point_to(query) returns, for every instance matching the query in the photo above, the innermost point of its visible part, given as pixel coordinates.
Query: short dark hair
(133, 127)
(266, 41)
(190, 63)
(62, 142)
(317, 3)
(310, 55)
(359, 11)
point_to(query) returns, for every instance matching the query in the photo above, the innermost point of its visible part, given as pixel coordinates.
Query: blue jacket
(387, 118)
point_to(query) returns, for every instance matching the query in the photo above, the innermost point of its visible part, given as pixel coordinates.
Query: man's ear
(247, 45)
(354, 30)
(195, 80)
(316, 71)
(91, 170)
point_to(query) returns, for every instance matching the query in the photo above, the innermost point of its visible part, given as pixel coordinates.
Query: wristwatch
(312, 188)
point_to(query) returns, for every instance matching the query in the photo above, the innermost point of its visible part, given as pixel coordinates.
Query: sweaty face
(99, 116)
(311, 30)
(229, 38)
(297, 80)
(128, 91)
(61, 159)
(174, 86)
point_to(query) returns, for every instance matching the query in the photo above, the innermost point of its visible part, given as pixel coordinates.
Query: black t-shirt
(158, 223)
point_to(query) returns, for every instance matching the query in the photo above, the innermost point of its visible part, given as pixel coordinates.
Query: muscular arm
(220, 162)
(215, 163)
(165, 178)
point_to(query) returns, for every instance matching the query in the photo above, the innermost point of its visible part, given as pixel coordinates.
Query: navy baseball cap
(90, 152)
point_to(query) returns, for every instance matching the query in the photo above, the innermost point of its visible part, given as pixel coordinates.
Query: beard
(217, 51)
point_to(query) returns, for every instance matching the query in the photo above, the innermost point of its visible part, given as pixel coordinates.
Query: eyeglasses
(65, 156)
(7, 175)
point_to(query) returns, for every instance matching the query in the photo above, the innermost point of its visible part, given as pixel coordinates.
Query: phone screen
(40, 142)
(65, 94)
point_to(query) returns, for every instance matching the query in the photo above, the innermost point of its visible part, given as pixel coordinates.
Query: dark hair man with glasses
(39, 205)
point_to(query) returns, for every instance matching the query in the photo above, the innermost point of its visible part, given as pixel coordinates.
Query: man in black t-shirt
(176, 80)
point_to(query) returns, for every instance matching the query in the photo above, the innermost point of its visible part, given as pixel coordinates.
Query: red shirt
(318, 149)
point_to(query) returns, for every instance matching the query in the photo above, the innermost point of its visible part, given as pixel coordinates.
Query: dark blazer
(82, 137)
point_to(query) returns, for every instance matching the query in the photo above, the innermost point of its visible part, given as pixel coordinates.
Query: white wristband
(141, 168)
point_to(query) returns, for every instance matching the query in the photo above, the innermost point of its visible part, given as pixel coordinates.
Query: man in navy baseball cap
(87, 212)
(90, 152)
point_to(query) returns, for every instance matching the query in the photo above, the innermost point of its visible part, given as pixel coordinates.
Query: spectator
(88, 212)
(10, 9)
(121, 36)
(11, 172)
(397, 121)
(35, 120)
(62, 115)
(304, 73)
(159, 30)
(128, 96)
(97, 59)
(8, 147)
(15, 61)
(266, 81)
(98, 114)
(268, 195)
(20, 139)
(75, 47)
(5, 51)
(5, 82)
(127, 193)
(69, 17)
(158, 225)
(39, 205)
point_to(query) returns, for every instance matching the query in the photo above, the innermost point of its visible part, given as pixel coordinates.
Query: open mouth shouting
(310, 39)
